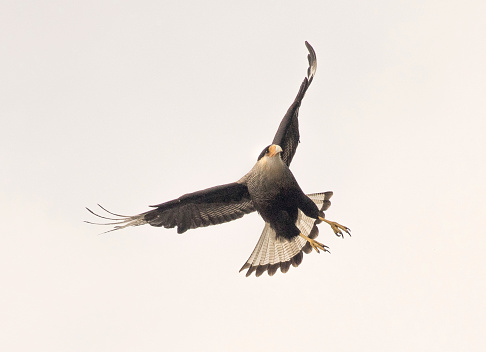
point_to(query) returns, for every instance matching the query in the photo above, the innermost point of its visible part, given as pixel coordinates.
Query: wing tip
(121, 222)
(312, 58)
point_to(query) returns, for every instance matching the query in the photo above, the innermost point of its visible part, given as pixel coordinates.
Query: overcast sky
(132, 103)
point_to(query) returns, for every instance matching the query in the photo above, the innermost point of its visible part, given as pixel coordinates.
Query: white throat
(271, 166)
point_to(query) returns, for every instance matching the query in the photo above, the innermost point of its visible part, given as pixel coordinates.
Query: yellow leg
(337, 227)
(316, 245)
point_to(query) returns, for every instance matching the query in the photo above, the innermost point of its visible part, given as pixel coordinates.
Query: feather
(211, 206)
(271, 253)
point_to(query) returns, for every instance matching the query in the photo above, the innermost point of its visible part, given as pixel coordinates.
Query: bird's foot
(337, 228)
(314, 244)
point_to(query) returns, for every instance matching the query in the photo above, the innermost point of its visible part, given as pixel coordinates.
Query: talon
(337, 227)
(314, 244)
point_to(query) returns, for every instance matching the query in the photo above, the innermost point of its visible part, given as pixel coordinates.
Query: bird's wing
(287, 136)
(210, 206)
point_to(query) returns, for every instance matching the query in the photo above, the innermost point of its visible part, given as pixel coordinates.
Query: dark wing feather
(210, 206)
(287, 136)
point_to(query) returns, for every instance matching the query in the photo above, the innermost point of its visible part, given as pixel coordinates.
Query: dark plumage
(269, 188)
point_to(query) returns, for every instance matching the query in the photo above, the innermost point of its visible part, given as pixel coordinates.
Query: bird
(269, 188)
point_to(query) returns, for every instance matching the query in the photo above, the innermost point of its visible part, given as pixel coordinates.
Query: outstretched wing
(287, 136)
(210, 206)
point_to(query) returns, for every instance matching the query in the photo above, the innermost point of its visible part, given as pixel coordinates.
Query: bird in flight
(269, 188)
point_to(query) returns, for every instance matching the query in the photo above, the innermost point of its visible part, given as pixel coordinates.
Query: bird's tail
(272, 253)
(118, 221)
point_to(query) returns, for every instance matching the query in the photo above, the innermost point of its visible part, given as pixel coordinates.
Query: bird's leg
(314, 244)
(337, 227)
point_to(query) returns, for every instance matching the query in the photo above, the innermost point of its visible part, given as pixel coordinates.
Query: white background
(131, 103)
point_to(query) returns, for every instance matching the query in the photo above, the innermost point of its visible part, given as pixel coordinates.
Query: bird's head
(271, 151)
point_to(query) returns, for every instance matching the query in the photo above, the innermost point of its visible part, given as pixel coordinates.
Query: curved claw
(316, 245)
(337, 228)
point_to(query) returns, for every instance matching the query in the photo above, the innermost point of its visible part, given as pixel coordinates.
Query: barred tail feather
(272, 253)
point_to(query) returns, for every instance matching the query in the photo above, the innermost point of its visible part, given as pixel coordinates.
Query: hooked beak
(274, 150)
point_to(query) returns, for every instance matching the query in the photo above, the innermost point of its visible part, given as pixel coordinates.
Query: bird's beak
(274, 150)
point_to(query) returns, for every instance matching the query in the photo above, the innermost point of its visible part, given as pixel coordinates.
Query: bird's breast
(268, 181)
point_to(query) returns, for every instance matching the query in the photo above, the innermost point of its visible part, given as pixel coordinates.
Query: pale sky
(133, 103)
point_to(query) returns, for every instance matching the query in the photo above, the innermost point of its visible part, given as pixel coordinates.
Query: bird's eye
(264, 152)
